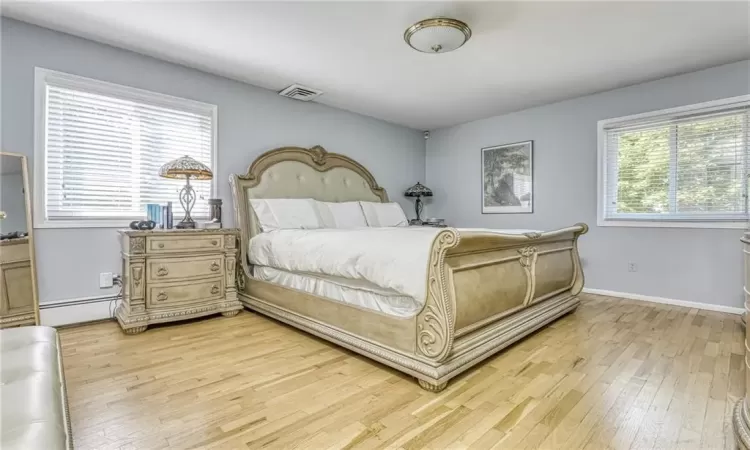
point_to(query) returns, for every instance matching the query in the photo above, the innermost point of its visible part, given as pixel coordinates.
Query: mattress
(353, 292)
(385, 260)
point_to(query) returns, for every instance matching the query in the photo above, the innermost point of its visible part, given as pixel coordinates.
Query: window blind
(690, 167)
(103, 153)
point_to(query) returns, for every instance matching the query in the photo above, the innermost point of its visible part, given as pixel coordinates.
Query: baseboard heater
(78, 301)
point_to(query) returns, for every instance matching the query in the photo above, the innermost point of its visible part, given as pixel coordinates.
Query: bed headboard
(296, 172)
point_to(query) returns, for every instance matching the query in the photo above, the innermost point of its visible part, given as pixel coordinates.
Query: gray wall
(251, 121)
(700, 265)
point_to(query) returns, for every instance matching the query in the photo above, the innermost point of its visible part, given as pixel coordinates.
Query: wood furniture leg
(427, 386)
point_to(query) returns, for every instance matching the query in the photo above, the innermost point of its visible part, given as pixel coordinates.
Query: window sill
(117, 224)
(671, 224)
(83, 223)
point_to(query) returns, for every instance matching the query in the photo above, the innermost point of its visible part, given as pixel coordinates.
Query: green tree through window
(693, 167)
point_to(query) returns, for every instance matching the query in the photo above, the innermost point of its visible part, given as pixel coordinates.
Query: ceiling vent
(299, 92)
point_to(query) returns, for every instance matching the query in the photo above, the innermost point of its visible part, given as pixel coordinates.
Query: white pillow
(384, 214)
(286, 213)
(341, 215)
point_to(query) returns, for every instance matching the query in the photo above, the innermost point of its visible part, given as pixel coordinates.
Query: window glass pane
(683, 164)
(643, 171)
(103, 153)
(710, 162)
(89, 153)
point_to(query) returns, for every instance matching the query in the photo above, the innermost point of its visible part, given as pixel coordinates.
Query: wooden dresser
(171, 275)
(17, 306)
(741, 418)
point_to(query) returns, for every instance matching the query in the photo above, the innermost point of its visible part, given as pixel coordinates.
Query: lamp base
(187, 200)
(418, 209)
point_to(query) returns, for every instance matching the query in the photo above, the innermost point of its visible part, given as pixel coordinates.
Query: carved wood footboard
(476, 279)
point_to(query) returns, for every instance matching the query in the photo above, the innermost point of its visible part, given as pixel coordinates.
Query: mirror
(19, 303)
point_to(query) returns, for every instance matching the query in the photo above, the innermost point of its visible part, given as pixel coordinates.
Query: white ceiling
(521, 54)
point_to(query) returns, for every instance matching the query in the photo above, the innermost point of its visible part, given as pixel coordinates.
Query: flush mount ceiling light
(437, 35)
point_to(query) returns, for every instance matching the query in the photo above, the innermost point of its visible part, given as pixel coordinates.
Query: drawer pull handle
(162, 296)
(162, 271)
(214, 242)
(215, 289)
(215, 266)
(161, 244)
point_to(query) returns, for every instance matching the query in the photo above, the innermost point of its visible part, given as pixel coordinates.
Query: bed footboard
(478, 280)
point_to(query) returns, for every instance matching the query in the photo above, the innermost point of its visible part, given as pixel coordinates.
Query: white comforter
(393, 258)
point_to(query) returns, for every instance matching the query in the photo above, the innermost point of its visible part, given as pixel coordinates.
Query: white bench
(33, 404)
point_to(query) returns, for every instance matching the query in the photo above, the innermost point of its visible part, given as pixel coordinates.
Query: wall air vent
(299, 92)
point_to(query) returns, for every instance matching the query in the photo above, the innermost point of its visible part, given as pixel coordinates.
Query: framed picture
(508, 178)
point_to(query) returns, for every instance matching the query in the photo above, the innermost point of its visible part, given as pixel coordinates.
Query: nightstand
(171, 275)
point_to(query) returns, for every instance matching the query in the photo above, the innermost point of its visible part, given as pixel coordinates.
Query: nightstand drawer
(170, 295)
(175, 244)
(167, 269)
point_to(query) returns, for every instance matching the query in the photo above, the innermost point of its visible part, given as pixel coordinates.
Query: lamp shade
(186, 167)
(418, 190)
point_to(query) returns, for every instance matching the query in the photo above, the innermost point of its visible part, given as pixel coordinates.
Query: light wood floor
(616, 373)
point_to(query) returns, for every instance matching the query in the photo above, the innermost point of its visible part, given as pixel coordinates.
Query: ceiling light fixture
(437, 35)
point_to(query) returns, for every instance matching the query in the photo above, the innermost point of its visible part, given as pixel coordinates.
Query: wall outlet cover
(105, 280)
(632, 267)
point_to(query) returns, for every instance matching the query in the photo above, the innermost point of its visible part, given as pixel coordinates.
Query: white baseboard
(79, 310)
(667, 301)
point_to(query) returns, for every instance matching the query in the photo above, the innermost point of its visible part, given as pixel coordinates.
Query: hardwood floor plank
(615, 374)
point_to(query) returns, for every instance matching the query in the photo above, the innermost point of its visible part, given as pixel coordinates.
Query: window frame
(604, 184)
(42, 77)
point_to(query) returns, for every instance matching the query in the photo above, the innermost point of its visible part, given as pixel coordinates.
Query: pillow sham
(341, 215)
(384, 214)
(286, 213)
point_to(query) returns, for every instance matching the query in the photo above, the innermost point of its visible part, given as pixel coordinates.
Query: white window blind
(690, 166)
(104, 145)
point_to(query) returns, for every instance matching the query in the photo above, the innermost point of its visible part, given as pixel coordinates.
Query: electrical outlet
(632, 267)
(106, 280)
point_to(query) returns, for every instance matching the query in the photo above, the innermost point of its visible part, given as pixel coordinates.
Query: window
(683, 167)
(99, 147)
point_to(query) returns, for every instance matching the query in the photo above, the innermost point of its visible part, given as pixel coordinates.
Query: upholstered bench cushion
(33, 412)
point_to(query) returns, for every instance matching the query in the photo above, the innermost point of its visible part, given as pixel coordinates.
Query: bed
(483, 289)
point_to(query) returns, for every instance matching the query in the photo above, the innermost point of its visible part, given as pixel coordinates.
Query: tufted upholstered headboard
(296, 172)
